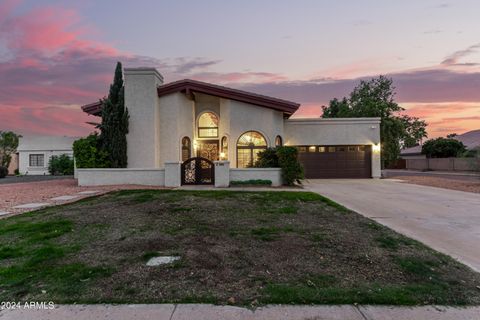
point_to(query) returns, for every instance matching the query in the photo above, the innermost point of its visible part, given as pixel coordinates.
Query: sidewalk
(211, 312)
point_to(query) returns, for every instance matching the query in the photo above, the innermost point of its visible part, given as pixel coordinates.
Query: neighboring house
(470, 139)
(34, 152)
(173, 122)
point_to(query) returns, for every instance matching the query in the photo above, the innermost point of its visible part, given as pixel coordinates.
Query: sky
(58, 55)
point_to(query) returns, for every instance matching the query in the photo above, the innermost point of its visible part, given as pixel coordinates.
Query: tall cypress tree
(114, 126)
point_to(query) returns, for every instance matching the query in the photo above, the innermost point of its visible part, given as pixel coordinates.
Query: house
(470, 139)
(34, 152)
(173, 123)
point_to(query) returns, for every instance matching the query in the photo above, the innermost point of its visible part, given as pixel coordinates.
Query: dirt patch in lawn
(235, 247)
(468, 186)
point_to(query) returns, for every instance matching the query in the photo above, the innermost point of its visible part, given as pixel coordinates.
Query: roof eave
(286, 107)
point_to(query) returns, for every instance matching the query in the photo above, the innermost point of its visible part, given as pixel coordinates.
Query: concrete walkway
(446, 220)
(211, 312)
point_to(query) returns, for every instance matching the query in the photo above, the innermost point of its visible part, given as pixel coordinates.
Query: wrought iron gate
(198, 170)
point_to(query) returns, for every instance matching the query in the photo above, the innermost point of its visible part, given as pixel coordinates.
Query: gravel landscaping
(14, 194)
(467, 185)
(240, 248)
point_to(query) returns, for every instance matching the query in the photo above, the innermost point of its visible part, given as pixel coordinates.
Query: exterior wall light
(376, 147)
(222, 155)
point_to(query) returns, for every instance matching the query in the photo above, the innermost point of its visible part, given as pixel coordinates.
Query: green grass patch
(375, 294)
(418, 266)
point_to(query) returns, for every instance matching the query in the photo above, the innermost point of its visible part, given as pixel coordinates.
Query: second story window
(208, 125)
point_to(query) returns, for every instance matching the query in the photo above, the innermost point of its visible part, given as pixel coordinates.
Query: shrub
(3, 172)
(88, 154)
(267, 159)
(443, 148)
(259, 182)
(292, 170)
(285, 158)
(16, 172)
(60, 165)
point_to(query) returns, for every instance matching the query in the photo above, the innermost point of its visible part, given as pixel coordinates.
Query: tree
(375, 98)
(8, 146)
(114, 126)
(415, 131)
(443, 148)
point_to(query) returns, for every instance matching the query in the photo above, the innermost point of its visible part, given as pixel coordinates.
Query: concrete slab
(417, 313)
(345, 312)
(88, 192)
(64, 198)
(157, 261)
(210, 312)
(88, 312)
(4, 213)
(34, 205)
(213, 312)
(446, 220)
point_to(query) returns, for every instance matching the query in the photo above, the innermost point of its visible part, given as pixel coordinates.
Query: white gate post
(222, 174)
(172, 174)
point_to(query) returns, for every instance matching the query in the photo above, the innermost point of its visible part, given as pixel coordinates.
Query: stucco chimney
(141, 99)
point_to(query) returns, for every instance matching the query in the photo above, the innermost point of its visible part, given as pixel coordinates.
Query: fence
(444, 164)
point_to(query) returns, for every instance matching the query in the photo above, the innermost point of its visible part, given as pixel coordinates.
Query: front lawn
(235, 247)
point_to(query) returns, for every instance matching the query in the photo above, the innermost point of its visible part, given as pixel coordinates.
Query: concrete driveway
(446, 220)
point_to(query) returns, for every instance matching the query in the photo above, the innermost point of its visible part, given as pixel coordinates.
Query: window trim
(37, 155)
(277, 139)
(208, 128)
(250, 147)
(224, 147)
(183, 147)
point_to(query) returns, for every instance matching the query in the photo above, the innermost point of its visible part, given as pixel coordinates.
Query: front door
(208, 149)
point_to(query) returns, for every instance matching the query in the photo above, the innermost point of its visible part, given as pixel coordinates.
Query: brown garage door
(335, 161)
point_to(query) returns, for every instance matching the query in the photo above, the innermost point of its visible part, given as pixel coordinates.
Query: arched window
(186, 148)
(278, 141)
(208, 125)
(248, 146)
(224, 149)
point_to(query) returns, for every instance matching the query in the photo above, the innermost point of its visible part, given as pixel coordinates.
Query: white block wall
(102, 177)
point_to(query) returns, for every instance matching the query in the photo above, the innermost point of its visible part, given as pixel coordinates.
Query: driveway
(446, 220)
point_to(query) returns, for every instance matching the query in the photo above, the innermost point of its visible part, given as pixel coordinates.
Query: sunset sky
(58, 55)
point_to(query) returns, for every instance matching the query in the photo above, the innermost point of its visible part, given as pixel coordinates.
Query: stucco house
(171, 123)
(34, 152)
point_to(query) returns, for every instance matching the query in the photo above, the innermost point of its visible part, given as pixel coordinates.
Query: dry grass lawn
(243, 248)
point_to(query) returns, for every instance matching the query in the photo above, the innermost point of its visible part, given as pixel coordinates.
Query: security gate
(198, 170)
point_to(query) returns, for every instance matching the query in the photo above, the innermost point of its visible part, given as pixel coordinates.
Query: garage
(323, 162)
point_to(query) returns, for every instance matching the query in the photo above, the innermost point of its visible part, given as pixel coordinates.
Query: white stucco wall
(141, 99)
(244, 174)
(47, 145)
(244, 117)
(101, 177)
(176, 120)
(339, 131)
